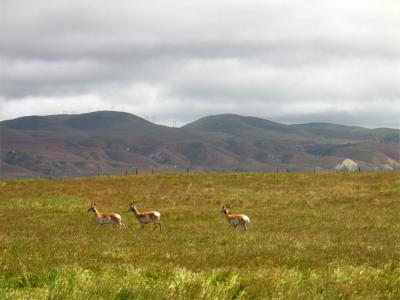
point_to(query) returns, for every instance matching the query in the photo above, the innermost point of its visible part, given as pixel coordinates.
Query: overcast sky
(290, 61)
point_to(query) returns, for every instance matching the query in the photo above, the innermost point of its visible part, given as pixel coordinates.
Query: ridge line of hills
(84, 144)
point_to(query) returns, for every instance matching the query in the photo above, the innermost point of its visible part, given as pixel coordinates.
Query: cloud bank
(289, 60)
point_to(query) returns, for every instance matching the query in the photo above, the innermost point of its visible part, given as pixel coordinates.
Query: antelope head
(225, 209)
(92, 207)
(132, 207)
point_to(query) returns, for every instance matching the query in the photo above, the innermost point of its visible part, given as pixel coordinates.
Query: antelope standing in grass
(235, 220)
(110, 218)
(146, 217)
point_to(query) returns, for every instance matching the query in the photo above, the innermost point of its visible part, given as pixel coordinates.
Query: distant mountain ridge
(115, 142)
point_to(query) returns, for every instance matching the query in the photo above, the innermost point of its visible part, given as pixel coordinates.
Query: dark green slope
(335, 131)
(237, 125)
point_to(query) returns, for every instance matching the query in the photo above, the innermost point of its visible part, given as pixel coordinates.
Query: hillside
(114, 142)
(301, 146)
(250, 126)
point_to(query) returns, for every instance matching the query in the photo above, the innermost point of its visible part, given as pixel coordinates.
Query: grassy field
(320, 236)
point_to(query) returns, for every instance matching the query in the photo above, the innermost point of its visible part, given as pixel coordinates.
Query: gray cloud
(290, 60)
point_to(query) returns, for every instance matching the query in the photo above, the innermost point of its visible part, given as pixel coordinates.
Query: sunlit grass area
(310, 236)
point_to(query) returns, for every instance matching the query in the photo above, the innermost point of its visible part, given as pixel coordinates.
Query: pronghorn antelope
(102, 219)
(146, 217)
(235, 219)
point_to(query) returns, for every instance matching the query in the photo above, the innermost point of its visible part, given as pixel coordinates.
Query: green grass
(319, 236)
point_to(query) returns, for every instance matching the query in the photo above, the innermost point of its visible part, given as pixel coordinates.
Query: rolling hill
(115, 142)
